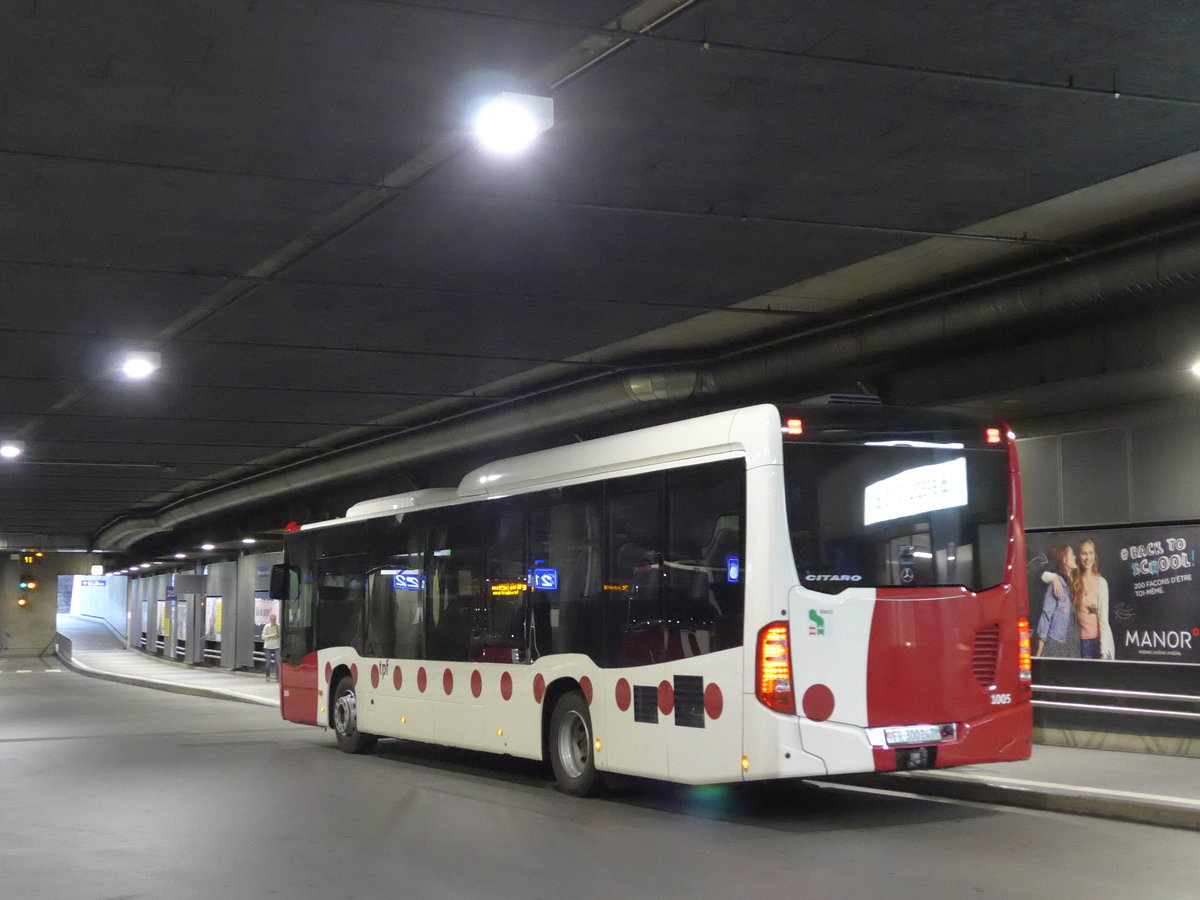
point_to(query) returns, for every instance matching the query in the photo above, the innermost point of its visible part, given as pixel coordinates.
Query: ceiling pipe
(788, 365)
(595, 402)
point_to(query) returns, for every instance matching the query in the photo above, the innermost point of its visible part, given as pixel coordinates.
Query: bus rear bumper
(1002, 736)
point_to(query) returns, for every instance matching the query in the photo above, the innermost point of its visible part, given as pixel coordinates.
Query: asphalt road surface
(113, 791)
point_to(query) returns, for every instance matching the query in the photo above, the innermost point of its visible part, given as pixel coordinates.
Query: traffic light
(28, 582)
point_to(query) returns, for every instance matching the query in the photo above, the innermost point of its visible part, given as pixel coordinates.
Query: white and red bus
(768, 592)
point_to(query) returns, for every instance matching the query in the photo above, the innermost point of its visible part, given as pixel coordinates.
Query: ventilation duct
(1118, 278)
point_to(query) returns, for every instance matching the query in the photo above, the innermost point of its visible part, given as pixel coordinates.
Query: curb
(171, 687)
(1167, 812)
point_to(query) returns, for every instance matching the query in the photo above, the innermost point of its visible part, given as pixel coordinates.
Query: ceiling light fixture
(249, 541)
(1196, 368)
(141, 364)
(510, 122)
(208, 546)
(11, 449)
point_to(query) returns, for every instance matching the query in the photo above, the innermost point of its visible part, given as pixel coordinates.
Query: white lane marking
(1075, 788)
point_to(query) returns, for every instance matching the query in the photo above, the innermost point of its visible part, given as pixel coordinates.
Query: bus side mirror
(285, 582)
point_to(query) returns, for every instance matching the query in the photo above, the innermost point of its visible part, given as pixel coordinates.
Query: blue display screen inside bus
(733, 569)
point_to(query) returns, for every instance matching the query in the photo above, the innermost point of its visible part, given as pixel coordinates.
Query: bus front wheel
(345, 720)
(570, 746)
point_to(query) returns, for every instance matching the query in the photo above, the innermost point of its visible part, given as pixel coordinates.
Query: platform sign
(545, 579)
(406, 580)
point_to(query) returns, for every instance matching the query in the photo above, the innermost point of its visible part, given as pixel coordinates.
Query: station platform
(90, 646)
(1135, 787)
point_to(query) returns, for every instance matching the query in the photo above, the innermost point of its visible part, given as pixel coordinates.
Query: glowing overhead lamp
(208, 546)
(510, 122)
(140, 364)
(11, 449)
(249, 541)
(1196, 368)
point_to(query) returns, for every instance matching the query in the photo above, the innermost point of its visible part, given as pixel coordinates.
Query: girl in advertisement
(1058, 626)
(1091, 606)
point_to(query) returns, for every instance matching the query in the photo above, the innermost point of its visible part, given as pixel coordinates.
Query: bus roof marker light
(510, 122)
(11, 449)
(140, 364)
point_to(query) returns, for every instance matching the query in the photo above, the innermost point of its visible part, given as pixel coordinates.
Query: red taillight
(1024, 656)
(773, 684)
(994, 436)
(794, 426)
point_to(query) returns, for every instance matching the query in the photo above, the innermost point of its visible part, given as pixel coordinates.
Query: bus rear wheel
(345, 720)
(570, 747)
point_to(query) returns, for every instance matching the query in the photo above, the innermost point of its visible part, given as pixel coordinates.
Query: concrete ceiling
(279, 196)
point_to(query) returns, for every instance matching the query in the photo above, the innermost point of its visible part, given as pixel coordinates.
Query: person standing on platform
(270, 639)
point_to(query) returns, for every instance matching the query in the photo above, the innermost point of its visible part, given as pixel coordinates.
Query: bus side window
(500, 633)
(396, 592)
(455, 582)
(634, 612)
(704, 558)
(567, 597)
(341, 592)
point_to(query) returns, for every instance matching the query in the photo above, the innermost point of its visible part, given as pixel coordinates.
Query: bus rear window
(877, 515)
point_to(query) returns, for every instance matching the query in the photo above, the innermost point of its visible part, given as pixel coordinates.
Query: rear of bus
(904, 640)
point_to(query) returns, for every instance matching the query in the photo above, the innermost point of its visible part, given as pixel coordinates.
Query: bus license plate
(913, 734)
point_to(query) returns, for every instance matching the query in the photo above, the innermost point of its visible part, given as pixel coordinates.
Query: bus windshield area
(896, 515)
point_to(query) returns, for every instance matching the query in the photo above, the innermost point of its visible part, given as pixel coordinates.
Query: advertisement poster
(1128, 594)
(264, 607)
(212, 618)
(183, 612)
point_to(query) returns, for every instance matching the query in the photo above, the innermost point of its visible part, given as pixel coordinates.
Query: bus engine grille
(985, 655)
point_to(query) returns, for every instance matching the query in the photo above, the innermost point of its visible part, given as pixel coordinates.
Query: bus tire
(345, 720)
(570, 746)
